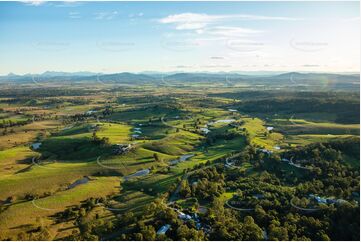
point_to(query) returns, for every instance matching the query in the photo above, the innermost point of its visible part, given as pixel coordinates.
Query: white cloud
(227, 31)
(196, 21)
(260, 17)
(34, 3)
(106, 15)
(74, 15)
(66, 4)
(133, 16)
(190, 20)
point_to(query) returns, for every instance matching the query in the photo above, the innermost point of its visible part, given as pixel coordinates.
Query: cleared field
(131, 200)
(15, 159)
(143, 115)
(76, 109)
(153, 184)
(42, 125)
(133, 161)
(260, 136)
(50, 178)
(27, 133)
(156, 131)
(175, 143)
(7, 117)
(301, 126)
(304, 139)
(18, 215)
(15, 139)
(117, 133)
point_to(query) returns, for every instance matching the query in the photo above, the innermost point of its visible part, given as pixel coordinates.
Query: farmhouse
(36, 146)
(184, 216)
(205, 130)
(323, 200)
(163, 229)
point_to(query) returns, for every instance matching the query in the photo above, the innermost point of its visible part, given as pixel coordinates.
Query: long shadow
(25, 169)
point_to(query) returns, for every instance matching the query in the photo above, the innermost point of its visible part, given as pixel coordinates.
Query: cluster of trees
(107, 111)
(228, 224)
(346, 110)
(10, 123)
(157, 214)
(270, 195)
(45, 101)
(40, 232)
(344, 104)
(99, 141)
(248, 154)
(264, 190)
(329, 173)
(273, 212)
(227, 135)
(206, 184)
(89, 225)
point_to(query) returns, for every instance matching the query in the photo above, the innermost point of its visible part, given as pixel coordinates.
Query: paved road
(304, 209)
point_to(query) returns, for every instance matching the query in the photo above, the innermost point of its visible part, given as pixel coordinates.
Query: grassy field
(117, 133)
(15, 159)
(175, 143)
(27, 213)
(27, 133)
(50, 178)
(260, 136)
(297, 126)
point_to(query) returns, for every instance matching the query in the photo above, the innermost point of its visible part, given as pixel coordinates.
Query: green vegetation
(90, 162)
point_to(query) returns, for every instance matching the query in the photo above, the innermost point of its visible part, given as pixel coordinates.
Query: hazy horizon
(255, 72)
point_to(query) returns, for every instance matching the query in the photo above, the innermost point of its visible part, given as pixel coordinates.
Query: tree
(156, 157)
(128, 218)
(138, 236)
(277, 233)
(250, 230)
(148, 232)
(185, 233)
(185, 190)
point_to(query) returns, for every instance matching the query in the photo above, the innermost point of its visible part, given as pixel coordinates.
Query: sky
(111, 37)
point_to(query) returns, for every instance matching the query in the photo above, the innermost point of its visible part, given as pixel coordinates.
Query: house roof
(163, 229)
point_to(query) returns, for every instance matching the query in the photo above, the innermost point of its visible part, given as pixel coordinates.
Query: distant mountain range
(335, 81)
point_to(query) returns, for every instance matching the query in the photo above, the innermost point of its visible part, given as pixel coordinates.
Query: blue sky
(179, 36)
